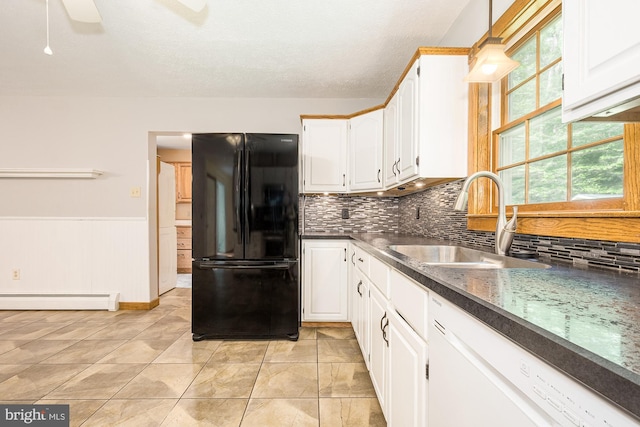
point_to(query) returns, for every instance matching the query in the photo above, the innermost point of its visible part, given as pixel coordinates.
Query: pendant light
(492, 63)
(47, 49)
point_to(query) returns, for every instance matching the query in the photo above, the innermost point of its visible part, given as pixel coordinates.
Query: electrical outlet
(345, 213)
(15, 274)
(135, 192)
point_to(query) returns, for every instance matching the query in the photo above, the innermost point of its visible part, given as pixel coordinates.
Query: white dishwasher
(477, 377)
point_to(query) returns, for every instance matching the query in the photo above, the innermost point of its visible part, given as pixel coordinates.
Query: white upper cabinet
(390, 173)
(443, 111)
(324, 151)
(601, 58)
(407, 149)
(421, 133)
(365, 142)
(426, 120)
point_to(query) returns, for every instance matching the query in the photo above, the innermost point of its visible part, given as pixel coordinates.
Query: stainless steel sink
(461, 257)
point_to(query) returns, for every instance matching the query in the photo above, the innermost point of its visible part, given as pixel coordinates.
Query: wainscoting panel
(75, 256)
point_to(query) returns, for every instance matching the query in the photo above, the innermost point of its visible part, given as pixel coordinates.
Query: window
(540, 159)
(580, 180)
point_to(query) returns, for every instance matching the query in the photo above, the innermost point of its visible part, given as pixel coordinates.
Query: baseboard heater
(109, 302)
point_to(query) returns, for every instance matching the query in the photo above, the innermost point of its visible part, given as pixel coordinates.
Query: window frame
(603, 219)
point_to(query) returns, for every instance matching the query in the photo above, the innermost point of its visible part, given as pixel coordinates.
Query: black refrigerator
(245, 236)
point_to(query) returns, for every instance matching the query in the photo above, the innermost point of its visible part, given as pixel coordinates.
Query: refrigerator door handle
(279, 266)
(247, 195)
(237, 197)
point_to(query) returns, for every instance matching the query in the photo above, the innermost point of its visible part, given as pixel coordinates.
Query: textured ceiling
(234, 48)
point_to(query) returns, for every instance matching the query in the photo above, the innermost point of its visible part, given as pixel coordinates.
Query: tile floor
(141, 368)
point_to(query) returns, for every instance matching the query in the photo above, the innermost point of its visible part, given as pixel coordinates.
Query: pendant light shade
(492, 63)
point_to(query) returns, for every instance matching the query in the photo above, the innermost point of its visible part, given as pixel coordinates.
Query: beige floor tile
(336, 334)
(281, 413)
(34, 351)
(346, 412)
(79, 410)
(185, 350)
(339, 351)
(132, 413)
(160, 381)
(74, 331)
(31, 331)
(6, 346)
(344, 380)
(7, 371)
(307, 333)
(137, 351)
(163, 330)
(207, 412)
(122, 332)
(240, 352)
(37, 380)
(292, 351)
(224, 380)
(65, 316)
(286, 380)
(26, 316)
(85, 352)
(99, 381)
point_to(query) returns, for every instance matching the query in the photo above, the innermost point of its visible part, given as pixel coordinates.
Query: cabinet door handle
(384, 332)
(379, 171)
(360, 259)
(345, 254)
(382, 321)
(398, 165)
(358, 288)
(344, 179)
(393, 169)
(352, 261)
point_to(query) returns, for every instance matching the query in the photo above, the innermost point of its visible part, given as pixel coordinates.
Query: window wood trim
(609, 221)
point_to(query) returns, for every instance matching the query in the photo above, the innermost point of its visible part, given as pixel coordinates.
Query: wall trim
(140, 305)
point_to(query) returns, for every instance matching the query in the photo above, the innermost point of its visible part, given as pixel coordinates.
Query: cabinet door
(183, 182)
(325, 281)
(378, 345)
(408, 124)
(365, 142)
(601, 55)
(391, 142)
(360, 295)
(324, 149)
(407, 399)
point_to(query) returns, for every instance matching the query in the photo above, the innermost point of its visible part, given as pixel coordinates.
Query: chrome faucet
(504, 230)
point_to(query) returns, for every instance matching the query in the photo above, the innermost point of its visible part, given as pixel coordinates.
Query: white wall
(112, 135)
(473, 22)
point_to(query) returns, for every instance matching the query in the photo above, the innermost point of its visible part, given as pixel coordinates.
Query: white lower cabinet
(408, 398)
(360, 311)
(379, 345)
(324, 281)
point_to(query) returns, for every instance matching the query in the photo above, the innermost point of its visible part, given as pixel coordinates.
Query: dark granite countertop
(585, 322)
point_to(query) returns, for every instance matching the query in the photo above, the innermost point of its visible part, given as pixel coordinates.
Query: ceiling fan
(86, 10)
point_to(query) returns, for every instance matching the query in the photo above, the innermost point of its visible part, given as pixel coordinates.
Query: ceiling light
(492, 63)
(47, 49)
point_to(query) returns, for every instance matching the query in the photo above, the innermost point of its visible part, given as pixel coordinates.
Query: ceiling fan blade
(195, 5)
(82, 11)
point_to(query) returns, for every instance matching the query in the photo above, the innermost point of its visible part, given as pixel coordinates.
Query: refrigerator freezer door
(244, 300)
(217, 221)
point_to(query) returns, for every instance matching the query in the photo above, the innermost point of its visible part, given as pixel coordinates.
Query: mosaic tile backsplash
(430, 213)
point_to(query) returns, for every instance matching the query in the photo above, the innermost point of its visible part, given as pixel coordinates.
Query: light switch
(135, 192)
